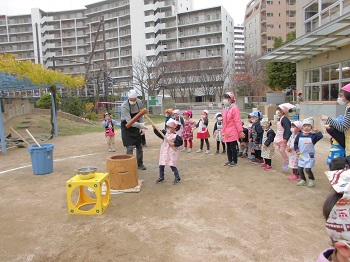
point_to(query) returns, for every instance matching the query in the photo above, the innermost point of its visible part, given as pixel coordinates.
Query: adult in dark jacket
(132, 136)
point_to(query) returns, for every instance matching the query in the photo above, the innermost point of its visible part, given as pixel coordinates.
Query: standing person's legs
(130, 150)
(207, 143)
(268, 163)
(161, 175)
(139, 156)
(281, 147)
(257, 154)
(201, 146)
(302, 182)
(184, 147)
(176, 174)
(217, 147)
(190, 141)
(109, 142)
(311, 177)
(232, 153)
(223, 147)
(112, 143)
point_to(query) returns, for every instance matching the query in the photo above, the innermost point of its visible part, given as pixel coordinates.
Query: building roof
(12, 83)
(329, 37)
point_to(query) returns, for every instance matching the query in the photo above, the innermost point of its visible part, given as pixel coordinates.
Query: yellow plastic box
(101, 202)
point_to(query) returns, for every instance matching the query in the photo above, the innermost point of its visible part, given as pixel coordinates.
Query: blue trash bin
(42, 158)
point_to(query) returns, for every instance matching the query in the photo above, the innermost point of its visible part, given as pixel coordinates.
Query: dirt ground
(217, 213)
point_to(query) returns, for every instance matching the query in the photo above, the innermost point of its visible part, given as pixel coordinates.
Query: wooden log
(123, 171)
(135, 118)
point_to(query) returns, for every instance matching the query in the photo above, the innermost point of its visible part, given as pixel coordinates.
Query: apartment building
(266, 19)
(17, 34)
(239, 48)
(321, 53)
(169, 29)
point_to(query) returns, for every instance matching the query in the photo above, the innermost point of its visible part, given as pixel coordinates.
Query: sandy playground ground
(217, 213)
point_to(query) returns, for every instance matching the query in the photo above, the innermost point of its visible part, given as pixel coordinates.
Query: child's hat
(217, 115)
(231, 96)
(255, 114)
(297, 124)
(172, 123)
(346, 88)
(206, 111)
(187, 112)
(265, 122)
(308, 121)
(169, 111)
(176, 111)
(338, 222)
(286, 107)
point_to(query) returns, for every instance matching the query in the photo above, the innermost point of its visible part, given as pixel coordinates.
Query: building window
(269, 14)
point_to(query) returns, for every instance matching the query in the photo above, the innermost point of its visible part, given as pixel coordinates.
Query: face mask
(341, 101)
(132, 102)
(168, 130)
(204, 116)
(306, 132)
(277, 113)
(219, 119)
(292, 129)
(225, 101)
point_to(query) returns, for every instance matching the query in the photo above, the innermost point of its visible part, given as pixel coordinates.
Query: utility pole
(105, 77)
(37, 41)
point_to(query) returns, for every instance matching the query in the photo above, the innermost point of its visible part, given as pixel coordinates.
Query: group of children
(294, 140)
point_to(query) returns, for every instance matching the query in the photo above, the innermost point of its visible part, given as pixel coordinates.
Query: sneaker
(285, 166)
(231, 164)
(226, 164)
(293, 177)
(240, 154)
(302, 183)
(142, 167)
(311, 183)
(251, 157)
(199, 151)
(189, 150)
(223, 152)
(244, 156)
(263, 165)
(159, 180)
(110, 150)
(268, 168)
(183, 149)
(207, 152)
(176, 181)
(217, 152)
(113, 150)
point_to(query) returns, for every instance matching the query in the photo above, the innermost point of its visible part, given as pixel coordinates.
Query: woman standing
(344, 126)
(232, 128)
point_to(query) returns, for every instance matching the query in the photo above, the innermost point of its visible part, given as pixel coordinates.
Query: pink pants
(281, 147)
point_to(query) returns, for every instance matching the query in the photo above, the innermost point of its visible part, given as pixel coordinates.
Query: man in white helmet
(132, 136)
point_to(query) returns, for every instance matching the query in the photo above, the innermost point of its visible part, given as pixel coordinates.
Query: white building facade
(133, 28)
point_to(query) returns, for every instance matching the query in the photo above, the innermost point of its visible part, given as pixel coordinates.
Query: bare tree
(149, 75)
(249, 82)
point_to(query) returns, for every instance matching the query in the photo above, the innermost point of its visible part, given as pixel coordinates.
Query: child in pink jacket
(232, 128)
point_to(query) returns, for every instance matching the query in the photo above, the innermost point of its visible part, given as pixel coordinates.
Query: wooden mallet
(135, 118)
(160, 132)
